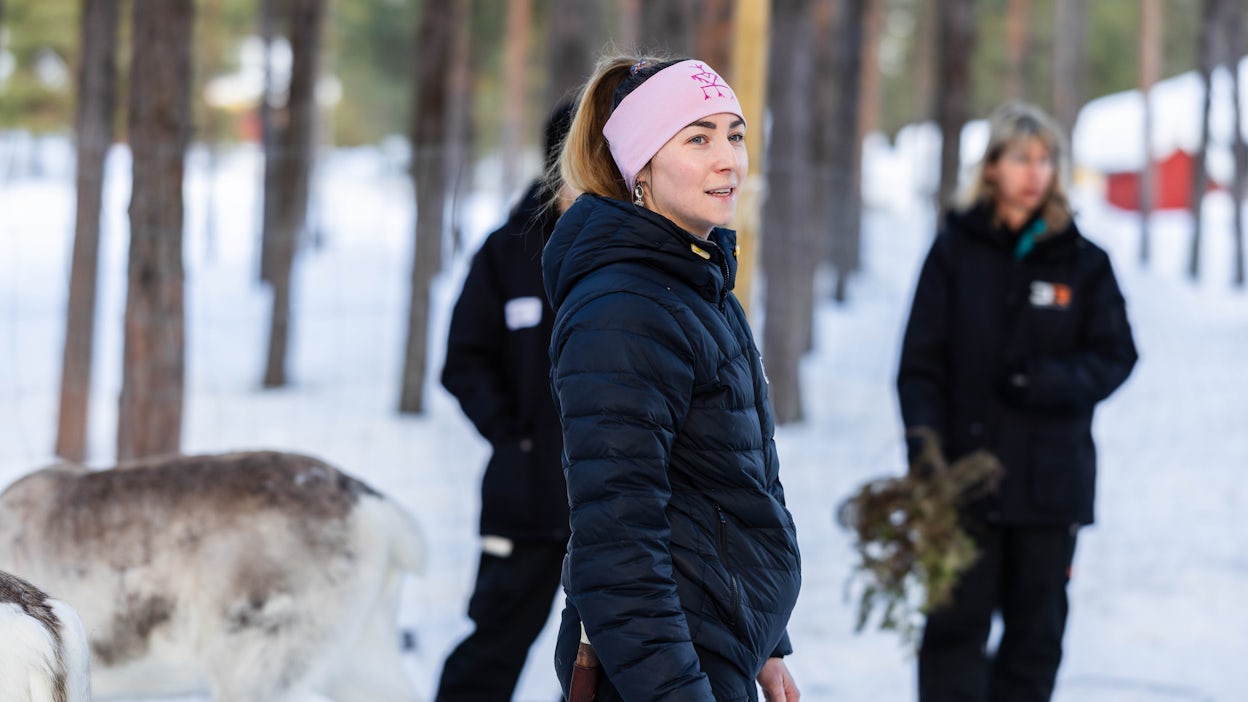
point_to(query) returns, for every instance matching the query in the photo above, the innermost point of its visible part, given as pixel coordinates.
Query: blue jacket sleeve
(784, 648)
(623, 373)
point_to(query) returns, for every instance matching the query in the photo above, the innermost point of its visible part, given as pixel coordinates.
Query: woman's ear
(641, 186)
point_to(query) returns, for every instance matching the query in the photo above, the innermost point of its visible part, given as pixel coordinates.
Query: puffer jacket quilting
(680, 535)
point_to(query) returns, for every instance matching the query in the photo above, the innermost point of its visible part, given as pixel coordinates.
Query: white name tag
(523, 312)
(499, 546)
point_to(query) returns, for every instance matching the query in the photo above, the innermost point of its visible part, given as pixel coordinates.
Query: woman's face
(694, 180)
(1023, 176)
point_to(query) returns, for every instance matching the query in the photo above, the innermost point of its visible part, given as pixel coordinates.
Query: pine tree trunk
(788, 249)
(869, 81)
(751, 47)
(1150, 72)
(268, 140)
(829, 91)
(97, 81)
(516, 67)
(1207, 46)
(1236, 29)
(1018, 46)
(293, 177)
(826, 95)
(153, 370)
(955, 47)
(849, 55)
(430, 178)
(576, 29)
(628, 26)
(668, 27)
(459, 119)
(923, 68)
(848, 256)
(1070, 22)
(713, 31)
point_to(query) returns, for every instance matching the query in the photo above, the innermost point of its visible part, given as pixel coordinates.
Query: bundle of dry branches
(911, 546)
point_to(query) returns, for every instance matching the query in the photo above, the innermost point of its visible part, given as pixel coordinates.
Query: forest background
(370, 47)
(395, 134)
(458, 89)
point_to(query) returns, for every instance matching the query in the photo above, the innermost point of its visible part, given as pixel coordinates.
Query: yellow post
(749, 79)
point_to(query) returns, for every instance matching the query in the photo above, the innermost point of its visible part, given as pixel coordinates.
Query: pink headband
(656, 110)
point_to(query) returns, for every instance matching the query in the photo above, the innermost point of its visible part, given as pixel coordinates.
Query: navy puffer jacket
(680, 534)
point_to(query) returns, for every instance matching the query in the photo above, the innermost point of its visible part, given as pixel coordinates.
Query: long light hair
(1012, 124)
(586, 164)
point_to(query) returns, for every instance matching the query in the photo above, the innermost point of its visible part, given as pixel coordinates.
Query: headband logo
(708, 80)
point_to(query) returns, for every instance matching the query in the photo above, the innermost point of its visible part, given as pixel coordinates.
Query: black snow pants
(1022, 573)
(510, 604)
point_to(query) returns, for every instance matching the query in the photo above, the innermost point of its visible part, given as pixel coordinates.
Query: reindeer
(43, 647)
(257, 577)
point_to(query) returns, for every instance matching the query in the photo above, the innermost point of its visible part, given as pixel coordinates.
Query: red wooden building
(1172, 184)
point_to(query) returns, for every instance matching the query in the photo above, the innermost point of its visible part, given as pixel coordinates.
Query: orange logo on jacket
(1054, 295)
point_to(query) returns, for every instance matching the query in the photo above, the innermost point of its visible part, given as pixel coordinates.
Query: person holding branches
(1017, 330)
(683, 567)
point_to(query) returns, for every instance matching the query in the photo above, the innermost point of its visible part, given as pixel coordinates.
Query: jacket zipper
(723, 267)
(723, 556)
(723, 291)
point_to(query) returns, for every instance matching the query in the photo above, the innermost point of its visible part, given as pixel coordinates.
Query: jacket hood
(533, 217)
(597, 232)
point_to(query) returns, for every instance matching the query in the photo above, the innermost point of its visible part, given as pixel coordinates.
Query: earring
(637, 193)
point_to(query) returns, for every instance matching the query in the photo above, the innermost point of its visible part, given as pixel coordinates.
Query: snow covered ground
(1158, 598)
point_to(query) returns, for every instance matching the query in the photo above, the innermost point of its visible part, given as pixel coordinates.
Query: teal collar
(1027, 240)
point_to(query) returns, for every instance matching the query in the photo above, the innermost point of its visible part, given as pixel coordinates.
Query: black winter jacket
(680, 534)
(498, 367)
(1012, 356)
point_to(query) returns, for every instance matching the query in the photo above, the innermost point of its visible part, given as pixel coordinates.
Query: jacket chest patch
(1050, 295)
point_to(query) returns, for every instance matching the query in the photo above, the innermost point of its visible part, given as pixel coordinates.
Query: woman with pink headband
(683, 567)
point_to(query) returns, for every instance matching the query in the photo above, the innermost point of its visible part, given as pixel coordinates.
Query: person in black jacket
(683, 565)
(498, 367)
(1017, 330)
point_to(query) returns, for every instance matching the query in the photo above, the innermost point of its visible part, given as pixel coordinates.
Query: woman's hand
(777, 682)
